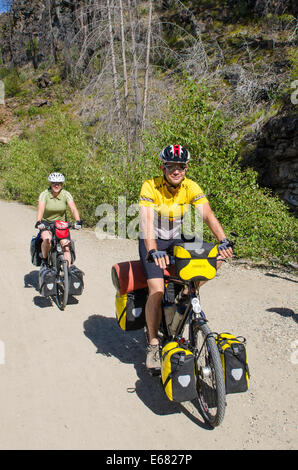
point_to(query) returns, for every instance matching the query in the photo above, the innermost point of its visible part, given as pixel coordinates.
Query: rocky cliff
(276, 156)
(38, 30)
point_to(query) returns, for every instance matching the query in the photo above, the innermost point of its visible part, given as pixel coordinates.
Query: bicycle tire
(62, 283)
(211, 389)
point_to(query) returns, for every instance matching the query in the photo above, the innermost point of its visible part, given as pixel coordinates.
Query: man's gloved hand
(78, 225)
(159, 257)
(155, 255)
(225, 248)
(225, 244)
(158, 254)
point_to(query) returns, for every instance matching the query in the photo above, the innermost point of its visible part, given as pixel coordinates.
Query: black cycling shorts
(151, 270)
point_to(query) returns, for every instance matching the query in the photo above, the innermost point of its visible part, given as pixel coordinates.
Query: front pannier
(47, 281)
(234, 362)
(198, 264)
(178, 372)
(130, 309)
(76, 281)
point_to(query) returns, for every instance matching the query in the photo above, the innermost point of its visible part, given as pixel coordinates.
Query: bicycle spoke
(210, 380)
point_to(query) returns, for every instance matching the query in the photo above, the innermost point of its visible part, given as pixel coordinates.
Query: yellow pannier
(198, 264)
(130, 309)
(178, 372)
(233, 356)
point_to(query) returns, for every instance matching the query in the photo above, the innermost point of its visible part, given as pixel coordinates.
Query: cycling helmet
(56, 178)
(175, 153)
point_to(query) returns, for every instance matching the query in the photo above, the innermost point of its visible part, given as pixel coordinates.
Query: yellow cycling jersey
(154, 193)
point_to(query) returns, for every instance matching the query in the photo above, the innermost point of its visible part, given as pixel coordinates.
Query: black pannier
(47, 281)
(72, 251)
(35, 247)
(76, 281)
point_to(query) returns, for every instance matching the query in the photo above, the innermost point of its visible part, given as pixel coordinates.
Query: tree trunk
(124, 75)
(135, 72)
(114, 70)
(147, 66)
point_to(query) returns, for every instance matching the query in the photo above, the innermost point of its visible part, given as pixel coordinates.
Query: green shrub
(12, 82)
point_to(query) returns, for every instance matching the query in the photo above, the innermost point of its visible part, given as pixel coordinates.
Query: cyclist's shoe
(44, 262)
(153, 359)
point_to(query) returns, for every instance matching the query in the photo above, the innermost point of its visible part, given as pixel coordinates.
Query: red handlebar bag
(61, 228)
(129, 276)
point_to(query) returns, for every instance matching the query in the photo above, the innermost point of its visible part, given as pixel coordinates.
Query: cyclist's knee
(47, 240)
(65, 244)
(156, 287)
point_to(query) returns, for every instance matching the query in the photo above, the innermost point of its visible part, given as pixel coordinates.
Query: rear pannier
(35, 247)
(130, 309)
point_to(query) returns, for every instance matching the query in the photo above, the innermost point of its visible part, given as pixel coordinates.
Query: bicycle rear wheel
(62, 283)
(210, 378)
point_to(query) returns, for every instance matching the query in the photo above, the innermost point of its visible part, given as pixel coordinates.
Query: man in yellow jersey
(164, 200)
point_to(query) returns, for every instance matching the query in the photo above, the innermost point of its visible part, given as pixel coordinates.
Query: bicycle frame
(56, 250)
(189, 314)
(56, 260)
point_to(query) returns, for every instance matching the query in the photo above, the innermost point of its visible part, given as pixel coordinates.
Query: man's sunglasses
(170, 167)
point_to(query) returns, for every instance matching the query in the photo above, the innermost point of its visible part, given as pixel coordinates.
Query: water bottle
(177, 319)
(196, 306)
(169, 311)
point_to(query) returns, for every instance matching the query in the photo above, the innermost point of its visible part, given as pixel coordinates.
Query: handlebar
(169, 252)
(51, 225)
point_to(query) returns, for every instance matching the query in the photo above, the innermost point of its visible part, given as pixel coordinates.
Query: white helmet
(56, 178)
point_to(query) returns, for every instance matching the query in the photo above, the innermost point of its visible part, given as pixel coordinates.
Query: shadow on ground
(129, 347)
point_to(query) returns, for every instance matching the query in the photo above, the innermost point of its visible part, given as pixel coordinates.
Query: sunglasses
(179, 167)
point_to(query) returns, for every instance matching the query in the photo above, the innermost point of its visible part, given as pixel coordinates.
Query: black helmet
(175, 153)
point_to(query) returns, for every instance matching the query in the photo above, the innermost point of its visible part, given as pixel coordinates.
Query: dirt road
(74, 380)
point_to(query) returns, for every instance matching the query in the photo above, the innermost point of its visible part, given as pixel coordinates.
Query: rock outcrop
(38, 30)
(276, 156)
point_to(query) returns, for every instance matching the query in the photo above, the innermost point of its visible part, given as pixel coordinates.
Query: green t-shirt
(55, 207)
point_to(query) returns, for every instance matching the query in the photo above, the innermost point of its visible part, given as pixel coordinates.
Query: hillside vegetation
(207, 91)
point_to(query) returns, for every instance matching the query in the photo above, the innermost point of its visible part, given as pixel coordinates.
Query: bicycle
(200, 340)
(57, 261)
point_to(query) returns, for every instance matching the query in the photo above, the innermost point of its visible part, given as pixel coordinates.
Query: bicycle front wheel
(62, 284)
(210, 378)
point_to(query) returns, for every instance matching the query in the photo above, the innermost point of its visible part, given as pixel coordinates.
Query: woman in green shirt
(52, 205)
